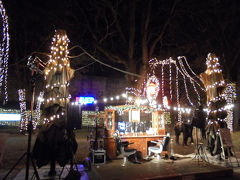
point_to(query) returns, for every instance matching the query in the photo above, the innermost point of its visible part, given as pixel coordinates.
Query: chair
(161, 146)
(122, 149)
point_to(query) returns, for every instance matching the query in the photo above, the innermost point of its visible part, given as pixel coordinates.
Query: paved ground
(61, 173)
(183, 168)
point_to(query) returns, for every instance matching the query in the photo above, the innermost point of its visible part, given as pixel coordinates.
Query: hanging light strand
(23, 110)
(191, 80)
(170, 79)
(4, 52)
(162, 81)
(38, 110)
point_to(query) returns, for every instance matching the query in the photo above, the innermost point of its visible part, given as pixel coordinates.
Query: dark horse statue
(199, 121)
(187, 124)
(186, 129)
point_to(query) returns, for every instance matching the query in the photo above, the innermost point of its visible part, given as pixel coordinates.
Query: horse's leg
(185, 138)
(203, 133)
(191, 136)
(177, 139)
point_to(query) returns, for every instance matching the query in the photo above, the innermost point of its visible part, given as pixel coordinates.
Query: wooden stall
(137, 125)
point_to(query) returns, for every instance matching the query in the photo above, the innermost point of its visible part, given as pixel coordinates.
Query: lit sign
(85, 100)
(10, 117)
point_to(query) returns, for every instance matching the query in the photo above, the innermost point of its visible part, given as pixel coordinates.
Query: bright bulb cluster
(53, 117)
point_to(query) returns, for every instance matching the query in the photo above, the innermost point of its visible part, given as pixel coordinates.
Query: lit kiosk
(139, 125)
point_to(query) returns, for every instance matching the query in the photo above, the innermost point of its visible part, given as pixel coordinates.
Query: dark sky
(199, 24)
(189, 28)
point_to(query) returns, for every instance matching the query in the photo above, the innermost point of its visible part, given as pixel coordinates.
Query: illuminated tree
(215, 85)
(57, 76)
(216, 102)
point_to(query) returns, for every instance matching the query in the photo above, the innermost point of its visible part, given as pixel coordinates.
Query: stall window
(110, 120)
(161, 121)
(138, 123)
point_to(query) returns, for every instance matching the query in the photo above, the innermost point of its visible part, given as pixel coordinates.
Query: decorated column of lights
(178, 105)
(162, 81)
(38, 110)
(230, 95)
(57, 75)
(22, 103)
(214, 84)
(170, 78)
(4, 53)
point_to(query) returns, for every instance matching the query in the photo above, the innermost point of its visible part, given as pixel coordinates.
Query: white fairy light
(38, 110)
(58, 63)
(130, 98)
(23, 109)
(185, 85)
(4, 53)
(192, 80)
(170, 79)
(229, 96)
(124, 95)
(162, 81)
(183, 57)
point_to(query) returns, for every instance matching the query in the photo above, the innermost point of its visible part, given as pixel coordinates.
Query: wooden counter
(140, 143)
(140, 139)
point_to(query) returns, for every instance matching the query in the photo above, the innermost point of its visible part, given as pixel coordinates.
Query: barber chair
(122, 149)
(162, 145)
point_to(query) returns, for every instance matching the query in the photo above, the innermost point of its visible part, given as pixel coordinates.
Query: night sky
(120, 32)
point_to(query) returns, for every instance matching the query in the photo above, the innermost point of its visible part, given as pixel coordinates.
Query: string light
(38, 110)
(162, 81)
(170, 79)
(4, 50)
(229, 96)
(57, 74)
(185, 85)
(22, 103)
(185, 59)
(216, 100)
(190, 78)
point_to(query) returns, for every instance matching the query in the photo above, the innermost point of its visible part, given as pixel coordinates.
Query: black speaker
(74, 116)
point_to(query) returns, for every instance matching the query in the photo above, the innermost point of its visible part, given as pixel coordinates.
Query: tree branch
(160, 36)
(118, 24)
(131, 29)
(112, 57)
